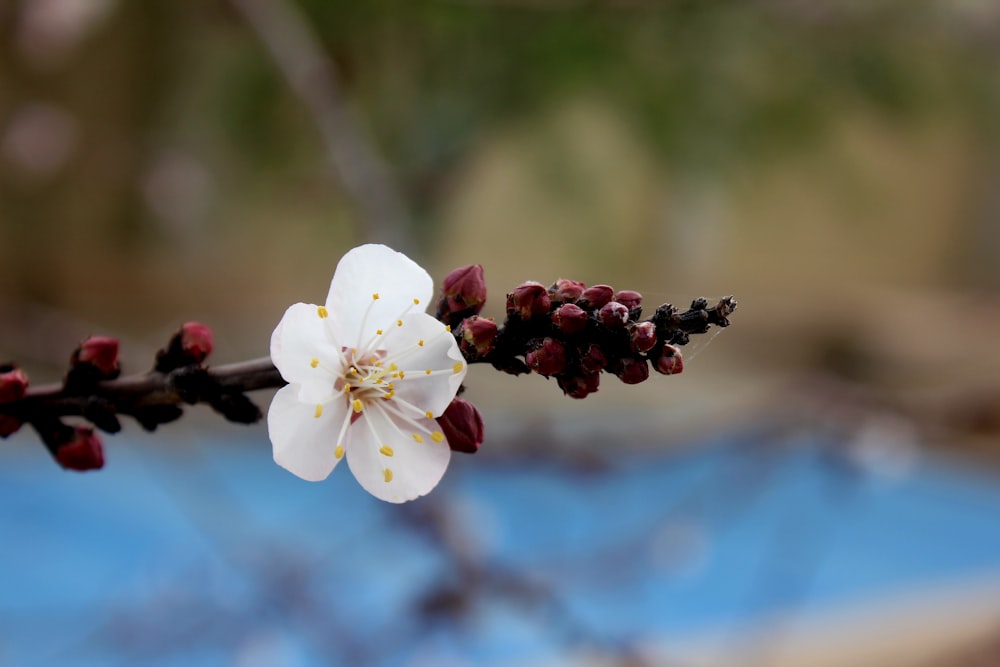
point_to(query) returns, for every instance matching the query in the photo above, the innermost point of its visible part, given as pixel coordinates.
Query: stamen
(457, 368)
(378, 332)
(437, 436)
(416, 302)
(399, 323)
(314, 363)
(387, 475)
(429, 414)
(420, 342)
(428, 371)
(447, 328)
(319, 411)
(322, 312)
(339, 452)
(357, 405)
(386, 450)
(375, 296)
(417, 437)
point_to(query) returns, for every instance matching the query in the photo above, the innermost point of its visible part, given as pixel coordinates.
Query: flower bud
(613, 315)
(82, 451)
(593, 359)
(196, 341)
(13, 384)
(479, 335)
(549, 358)
(462, 426)
(529, 300)
(570, 318)
(463, 291)
(670, 361)
(579, 386)
(642, 337)
(629, 298)
(632, 370)
(593, 298)
(566, 291)
(101, 354)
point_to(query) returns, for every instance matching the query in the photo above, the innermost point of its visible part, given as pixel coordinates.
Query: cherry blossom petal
(305, 354)
(364, 272)
(395, 467)
(303, 443)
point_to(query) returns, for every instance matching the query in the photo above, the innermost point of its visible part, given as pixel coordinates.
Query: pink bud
(642, 338)
(579, 386)
(462, 426)
(566, 291)
(549, 358)
(593, 359)
(13, 384)
(196, 340)
(671, 362)
(529, 300)
(570, 318)
(629, 298)
(613, 315)
(463, 289)
(83, 451)
(101, 352)
(479, 335)
(633, 370)
(595, 297)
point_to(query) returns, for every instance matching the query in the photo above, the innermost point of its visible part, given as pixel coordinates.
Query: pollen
(375, 296)
(428, 371)
(399, 323)
(457, 368)
(357, 405)
(437, 436)
(386, 450)
(417, 437)
(319, 411)
(314, 363)
(339, 452)
(416, 302)
(393, 367)
(322, 312)
(447, 327)
(347, 388)
(402, 375)
(429, 414)
(420, 343)
(387, 475)
(378, 332)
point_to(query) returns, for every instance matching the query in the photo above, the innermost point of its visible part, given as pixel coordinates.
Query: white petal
(304, 444)
(416, 467)
(439, 352)
(368, 270)
(305, 354)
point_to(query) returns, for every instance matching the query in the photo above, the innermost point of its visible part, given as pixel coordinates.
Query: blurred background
(819, 487)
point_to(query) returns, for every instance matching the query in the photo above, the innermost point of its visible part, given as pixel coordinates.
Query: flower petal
(368, 270)
(414, 468)
(303, 443)
(439, 354)
(305, 354)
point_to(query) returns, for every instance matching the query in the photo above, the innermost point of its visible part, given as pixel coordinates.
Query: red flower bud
(13, 384)
(613, 315)
(633, 370)
(579, 386)
(593, 359)
(595, 297)
(549, 358)
(570, 318)
(529, 300)
(479, 335)
(642, 338)
(462, 426)
(83, 451)
(630, 298)
(196, 341)
(670, 362)
(100, 352)
(463, 290)
(566, 291)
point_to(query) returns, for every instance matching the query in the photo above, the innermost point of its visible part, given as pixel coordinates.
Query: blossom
(367, 373)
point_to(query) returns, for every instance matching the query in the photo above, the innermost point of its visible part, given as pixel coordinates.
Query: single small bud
(593, 359)
(579, 386)
(566, 291)
(670, 361)
(99, 353)
(593, 298)
(548, 358)
(529, 300)
(632, 370)
(462, 426)
(196, 341)
(463, 291)
(629, 298)
(642, 337)
(479, 336)
(13, 384)
(570, 318)
(613, 315)
(82, 451)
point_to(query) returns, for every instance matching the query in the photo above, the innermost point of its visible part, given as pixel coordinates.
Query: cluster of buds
(573, 332)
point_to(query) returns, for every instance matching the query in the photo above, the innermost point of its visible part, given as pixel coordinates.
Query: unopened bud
(479, 335)
(629, 298)
(463, 291)
(579, 386)
(529, 300)
(642, 338)
(82, 451)
(196, 341)
(13, 384)
(566, 291)
(462, 426)
(613, 315)
(632, 370)
(593, 359)
(548, 358)
(593, 298)
(570, 318)
(670, 362)
(101, 354)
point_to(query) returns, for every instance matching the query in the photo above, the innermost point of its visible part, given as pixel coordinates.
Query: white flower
(367, 374)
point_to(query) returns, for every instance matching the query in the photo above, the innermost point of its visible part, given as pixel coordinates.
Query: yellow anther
(447, 327)
(402, 374)
(428, 371)
(457, 368)
(378, 332)
(416, 302)
(319, 411)
(347, 388)
(322, 312)
(314, 363)
(429, 414)
(357, 405)
(420, 343)
(375, 296)
(399, 323)
(387, 475)
(339, 452)
(393, 367)
(437, 436)
(386, 450)
(418, 437)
